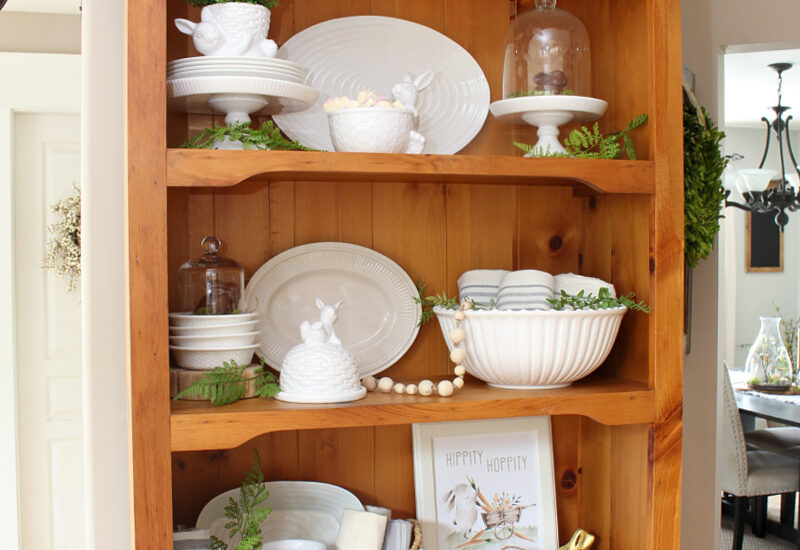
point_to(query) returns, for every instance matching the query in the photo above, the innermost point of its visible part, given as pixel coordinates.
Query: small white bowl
(375, 130)
(534, 349)
(207, 359)
(214, 330)
(214, 341)
(293, 544)
(188, 319)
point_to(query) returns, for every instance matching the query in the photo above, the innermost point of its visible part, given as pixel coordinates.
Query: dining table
(784, 409)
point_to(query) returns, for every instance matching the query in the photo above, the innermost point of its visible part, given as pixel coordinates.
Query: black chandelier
(758, 194)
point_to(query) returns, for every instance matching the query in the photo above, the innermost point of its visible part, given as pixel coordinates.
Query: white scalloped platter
(349, 54)
(300, 510)
(377, 321)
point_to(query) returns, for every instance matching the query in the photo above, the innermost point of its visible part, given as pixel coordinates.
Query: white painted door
(48, 339)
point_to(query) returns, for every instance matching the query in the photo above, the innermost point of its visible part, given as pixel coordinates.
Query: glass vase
(768, 364)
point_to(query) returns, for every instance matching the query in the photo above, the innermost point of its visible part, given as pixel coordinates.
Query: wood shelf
(204, 168)
(612, 401)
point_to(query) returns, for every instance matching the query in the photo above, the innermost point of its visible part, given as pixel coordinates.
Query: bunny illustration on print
(460, 504)
(408, 90)
(231, 29)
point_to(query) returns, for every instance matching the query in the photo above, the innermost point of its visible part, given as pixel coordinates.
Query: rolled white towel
(480, 285)
(572, 284)
(526, 289)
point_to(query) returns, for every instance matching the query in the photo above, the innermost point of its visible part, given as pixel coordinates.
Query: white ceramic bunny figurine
(321, 332)
(223, 31)
(408, 90)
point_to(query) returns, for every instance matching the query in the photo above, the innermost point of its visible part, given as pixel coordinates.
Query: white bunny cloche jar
(231, 29)
(375, 130)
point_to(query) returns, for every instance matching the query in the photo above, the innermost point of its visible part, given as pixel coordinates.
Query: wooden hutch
(617, 434)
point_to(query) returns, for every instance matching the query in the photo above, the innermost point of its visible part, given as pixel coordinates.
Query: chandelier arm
(738, 205)
(780, 131)
(789, 146)
(766, 145)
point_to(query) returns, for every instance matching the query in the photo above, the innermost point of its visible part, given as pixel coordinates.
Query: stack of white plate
(236, 67)
(202, 342)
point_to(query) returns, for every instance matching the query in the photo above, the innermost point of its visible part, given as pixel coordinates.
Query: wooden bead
(425, 387)
(459, 316)
(459, 370)
(458, 355)
(457, 335)
(385, 384)
(458, 382)
(370, 383)
(445, 388)
(399, 388)
(411, 389)
(466, 306)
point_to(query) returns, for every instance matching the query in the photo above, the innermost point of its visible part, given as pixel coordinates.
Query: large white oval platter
(300, 510)
(378, 318)
(371, 52)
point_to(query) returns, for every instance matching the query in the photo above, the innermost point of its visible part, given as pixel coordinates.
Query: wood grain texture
(146, 210)
(198, 426)
(596, 486)
(202, 168)
(549, 230)
(566, 446)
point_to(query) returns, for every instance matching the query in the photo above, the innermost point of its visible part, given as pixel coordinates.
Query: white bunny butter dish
(231, 29)
(320, 370)
(371, 123)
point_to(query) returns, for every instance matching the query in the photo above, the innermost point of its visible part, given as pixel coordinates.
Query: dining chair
(748, 473)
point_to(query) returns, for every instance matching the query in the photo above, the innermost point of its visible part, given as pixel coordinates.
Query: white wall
(105, 378)
(758, 293)
(709, 26)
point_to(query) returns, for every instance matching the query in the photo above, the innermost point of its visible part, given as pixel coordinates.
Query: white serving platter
(300, 510)
(349, 54)
(377, 321)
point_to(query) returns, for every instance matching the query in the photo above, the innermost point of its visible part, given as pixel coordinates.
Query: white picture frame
(487, 482)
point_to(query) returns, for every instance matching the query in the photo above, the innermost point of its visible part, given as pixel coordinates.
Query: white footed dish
(208, 359)
(188, 319)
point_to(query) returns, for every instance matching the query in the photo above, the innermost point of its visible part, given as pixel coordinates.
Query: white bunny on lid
(320, 370)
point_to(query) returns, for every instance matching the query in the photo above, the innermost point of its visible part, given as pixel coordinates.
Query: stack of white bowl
(202, 342)
(236, 68)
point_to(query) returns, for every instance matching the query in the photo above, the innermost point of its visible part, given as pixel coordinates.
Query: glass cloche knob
(211, 284)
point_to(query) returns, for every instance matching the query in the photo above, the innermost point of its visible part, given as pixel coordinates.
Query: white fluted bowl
(215, 341)
(534, 349)
(207, 359)
(188, 319)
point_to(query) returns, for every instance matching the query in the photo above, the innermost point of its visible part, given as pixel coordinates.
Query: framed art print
(486, 484)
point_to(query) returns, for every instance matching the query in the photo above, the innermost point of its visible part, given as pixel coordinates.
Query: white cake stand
(238, 97)
(548, 112)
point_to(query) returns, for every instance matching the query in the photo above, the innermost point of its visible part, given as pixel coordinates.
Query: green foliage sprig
(267, 138)
(603, 300)
(592, 144)
(441, 300)
(64, 242)
(703, 164)
(269, 4)
(247, 513)
(227, 384)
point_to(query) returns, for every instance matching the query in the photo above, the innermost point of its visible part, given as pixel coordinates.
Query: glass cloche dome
(211, 284)
(546, 53)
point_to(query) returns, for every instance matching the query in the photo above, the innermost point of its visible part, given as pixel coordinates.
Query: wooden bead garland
(445, 388)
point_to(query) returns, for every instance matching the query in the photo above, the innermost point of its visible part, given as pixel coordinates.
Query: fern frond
(221, 386)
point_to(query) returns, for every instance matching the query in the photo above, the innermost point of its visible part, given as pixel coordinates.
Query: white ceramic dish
(214, 330)
(192, 94)
(378, 318)
(582, 108)
(349, 54)
(300, 510)
(245, 72)
(187, 319)
(205, 61)
(293, 544)
(214, 341)
(207, 359)
(375, 130)
(534, 349)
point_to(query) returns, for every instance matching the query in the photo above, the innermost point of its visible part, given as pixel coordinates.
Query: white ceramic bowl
(534, 349)
(214, 330)
(214, 341)
(187, 319)
(207, 359)
(293, 544)
(374, 130)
